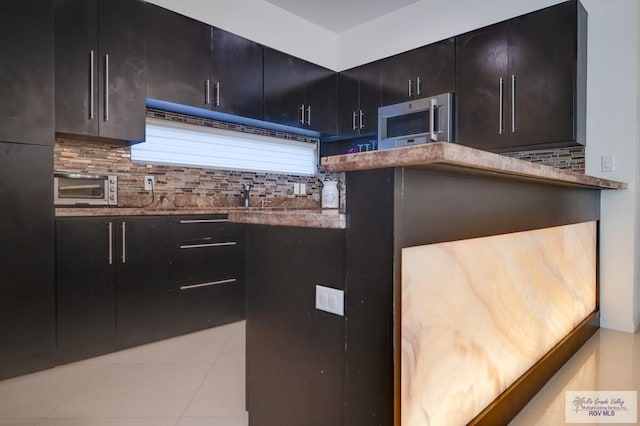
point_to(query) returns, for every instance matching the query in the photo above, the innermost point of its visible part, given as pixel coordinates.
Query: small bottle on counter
(330, 195)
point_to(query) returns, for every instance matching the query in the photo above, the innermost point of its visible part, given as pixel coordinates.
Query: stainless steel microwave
(72, 189)
(420, 121)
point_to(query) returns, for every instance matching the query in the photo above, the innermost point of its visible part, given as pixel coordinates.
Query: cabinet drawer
(185, 230)
(191, 264)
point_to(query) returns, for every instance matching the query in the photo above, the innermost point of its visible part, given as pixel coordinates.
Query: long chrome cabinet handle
(361, 119)
(124, 242)
(204, 221)
(192, 246)
(513, 103)
(106, 87)
(302, 114)
(501, 109)
(308, 115)
(217, 87)
(355, 117)
(418, 86)
(91, 84)
(187, 287)
(207, 92)
(110, 257)
(410, 84)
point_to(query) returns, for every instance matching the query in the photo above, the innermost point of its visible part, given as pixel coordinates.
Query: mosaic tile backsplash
(188, 186)
(199, 187)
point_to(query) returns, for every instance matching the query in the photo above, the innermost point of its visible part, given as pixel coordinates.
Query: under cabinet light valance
(172, 143)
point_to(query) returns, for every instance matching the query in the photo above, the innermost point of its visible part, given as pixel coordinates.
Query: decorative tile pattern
(572, 159)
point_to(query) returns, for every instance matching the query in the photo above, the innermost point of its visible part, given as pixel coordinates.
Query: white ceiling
(340, 15)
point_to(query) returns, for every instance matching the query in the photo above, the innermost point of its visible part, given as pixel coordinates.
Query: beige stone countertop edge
(475, 160)
(142, 211)
(327, 219)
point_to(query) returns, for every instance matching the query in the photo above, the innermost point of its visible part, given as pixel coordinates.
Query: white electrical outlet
(303, 189)
(296, 188)
(149, 182)
(330, 300)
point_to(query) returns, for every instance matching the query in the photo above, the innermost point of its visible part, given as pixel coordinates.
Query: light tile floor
(198, 380)
(192, 380)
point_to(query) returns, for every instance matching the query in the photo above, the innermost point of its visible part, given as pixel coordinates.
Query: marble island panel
(465, 159)
(478, 313)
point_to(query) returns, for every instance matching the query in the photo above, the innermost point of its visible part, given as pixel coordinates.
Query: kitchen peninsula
(469, 278)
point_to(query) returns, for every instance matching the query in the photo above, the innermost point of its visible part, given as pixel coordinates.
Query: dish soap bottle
(330, 195)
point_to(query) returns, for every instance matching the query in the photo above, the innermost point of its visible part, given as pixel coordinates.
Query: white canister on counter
(330, 195)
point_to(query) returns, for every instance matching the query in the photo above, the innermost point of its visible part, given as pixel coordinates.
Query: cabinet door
(26, 73)
(369, 96)
(178, 58)
(284, 83)
(348, 108)
(27, 305)
(140, 275)
(481, 69)
(435, 71)
(398, 80)
(321, 99)
(122, 70)
(237, 75)
(542, 59)
(85, 277)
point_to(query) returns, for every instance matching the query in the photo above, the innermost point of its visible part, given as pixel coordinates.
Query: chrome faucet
(246, 188)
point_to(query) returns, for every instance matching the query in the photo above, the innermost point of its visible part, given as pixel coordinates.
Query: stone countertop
(327, 218)
(276, 216)
(447, 155)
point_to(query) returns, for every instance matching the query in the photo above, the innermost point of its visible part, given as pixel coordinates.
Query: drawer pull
(204, 221)
(188, 287)
(191, 246)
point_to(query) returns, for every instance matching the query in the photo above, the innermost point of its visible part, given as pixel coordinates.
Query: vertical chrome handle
(355, 117)
(418, 86)
(217, 93)
(110, 257)
(91, 84)
(501, 108)
(361, 119)
(308, 116)
(410, 84)
(207, 92)
(513, 103)
(106, 87)
(432, 119)
(302, 114)
(124, 242)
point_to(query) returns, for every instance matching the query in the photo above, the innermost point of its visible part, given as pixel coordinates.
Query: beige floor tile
(136, 390)
(214, 421)
(36, 395)
(202, 347)
(222, 393)
(110, 422)
(20, 422)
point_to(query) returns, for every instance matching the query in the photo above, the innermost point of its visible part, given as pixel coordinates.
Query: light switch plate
(330, 300)
(608, 163)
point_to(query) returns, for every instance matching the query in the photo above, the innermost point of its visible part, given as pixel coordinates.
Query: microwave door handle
(432, 119)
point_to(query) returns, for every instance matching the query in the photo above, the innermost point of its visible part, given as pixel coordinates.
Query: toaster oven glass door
(81, 188)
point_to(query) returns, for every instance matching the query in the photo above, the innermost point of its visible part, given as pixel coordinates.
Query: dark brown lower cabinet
(117, 286)
(27, 286)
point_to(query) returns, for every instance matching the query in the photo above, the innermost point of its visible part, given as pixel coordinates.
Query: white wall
(264, 23)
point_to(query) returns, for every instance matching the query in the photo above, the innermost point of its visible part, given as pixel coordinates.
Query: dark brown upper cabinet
(26, 73)
(359, 100)
(236, 79)
(178, 52)
(426, 71)
(100, 69)
(300, 94)
(522, 83)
